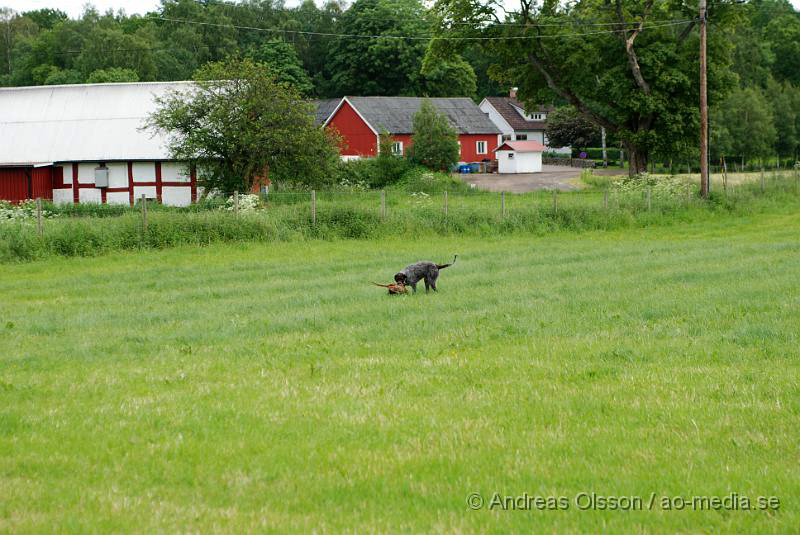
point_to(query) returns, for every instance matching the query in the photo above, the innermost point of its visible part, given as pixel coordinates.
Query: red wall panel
(14, 184)
(42, 181)
(357, 137)
(469, 151)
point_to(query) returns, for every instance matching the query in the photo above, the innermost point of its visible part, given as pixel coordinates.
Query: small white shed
(519, 157)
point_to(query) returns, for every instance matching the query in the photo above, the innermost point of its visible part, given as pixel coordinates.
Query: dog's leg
(427, 284)
(414, 287)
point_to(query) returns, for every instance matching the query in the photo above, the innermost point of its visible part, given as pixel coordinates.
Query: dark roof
(396, 114)
(324, 108)
(505, 106)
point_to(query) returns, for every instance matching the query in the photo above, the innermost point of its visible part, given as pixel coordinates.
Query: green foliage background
(754, 49)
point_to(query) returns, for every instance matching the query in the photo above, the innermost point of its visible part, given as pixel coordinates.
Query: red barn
(360, 120)
(85, 143)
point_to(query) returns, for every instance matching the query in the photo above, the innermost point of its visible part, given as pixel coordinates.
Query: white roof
(89, 122)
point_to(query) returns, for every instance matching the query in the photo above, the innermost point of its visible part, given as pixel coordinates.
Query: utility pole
(703, 104)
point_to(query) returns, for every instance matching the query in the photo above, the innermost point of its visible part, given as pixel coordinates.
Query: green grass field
(269, 388)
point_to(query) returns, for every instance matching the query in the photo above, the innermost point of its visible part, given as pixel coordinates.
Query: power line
(417, 37)
(362, 36)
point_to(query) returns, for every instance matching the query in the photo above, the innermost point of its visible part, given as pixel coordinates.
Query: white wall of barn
(62, 196)
(175, 178)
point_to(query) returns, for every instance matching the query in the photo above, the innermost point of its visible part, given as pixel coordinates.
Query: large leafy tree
(386, 65)
(282, 59)
(567, 127)
(239, 124)
(388, 60)
(435, 141)
(633, 76)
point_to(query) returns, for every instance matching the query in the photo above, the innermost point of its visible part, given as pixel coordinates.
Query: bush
(422, 180)
(379, 172)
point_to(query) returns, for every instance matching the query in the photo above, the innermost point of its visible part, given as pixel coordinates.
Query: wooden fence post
(762, 179)
(445, 203)
(313, 207)
(555, 201)
(144, 213)
(39, 215)
(503, 203)
(688, 191)
(649, 204)
(236, 202)
(605, 199)
(383, 204)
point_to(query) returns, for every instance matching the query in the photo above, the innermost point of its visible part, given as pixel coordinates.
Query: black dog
(427, 271)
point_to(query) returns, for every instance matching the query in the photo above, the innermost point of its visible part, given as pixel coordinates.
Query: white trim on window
(480, 147)
(397, 148)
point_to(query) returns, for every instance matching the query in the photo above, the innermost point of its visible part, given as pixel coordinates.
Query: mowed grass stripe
(243, 388)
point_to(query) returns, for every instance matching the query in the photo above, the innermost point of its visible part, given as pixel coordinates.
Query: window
(480, 147)
(397, 148)
(522, 137)
(510, 155)
(506, 137)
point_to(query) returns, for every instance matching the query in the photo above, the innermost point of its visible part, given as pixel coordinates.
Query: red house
(360, 120)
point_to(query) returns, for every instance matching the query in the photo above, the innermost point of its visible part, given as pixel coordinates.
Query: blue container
(475, 167)
(465, 168)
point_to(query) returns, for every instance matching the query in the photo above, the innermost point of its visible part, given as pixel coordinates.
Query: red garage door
(20, 183)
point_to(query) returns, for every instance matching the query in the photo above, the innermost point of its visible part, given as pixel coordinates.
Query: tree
(453, 78)
(435, 141)
(743, 125)
(109, 48)
(46, 18)
(63, 76)
(783, 100)
(636, 78)
(566, 127)
(783, 35)
(388, 65)
(112, 75)
(13, 29)
(239, 124)
(282, 60)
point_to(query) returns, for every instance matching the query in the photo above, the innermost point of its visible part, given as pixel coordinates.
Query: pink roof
(522, 146)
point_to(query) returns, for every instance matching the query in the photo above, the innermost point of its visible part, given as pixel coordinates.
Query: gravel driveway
(552, 177)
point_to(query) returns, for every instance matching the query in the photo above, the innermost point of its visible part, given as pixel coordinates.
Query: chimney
(513, 92)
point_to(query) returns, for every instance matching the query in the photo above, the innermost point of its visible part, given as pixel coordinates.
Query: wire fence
(389, 203)
(319, 206)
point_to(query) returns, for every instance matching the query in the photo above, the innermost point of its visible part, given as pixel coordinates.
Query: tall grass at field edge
(90, 236)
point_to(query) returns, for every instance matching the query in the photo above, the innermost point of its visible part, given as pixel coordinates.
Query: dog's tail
(442, 266)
